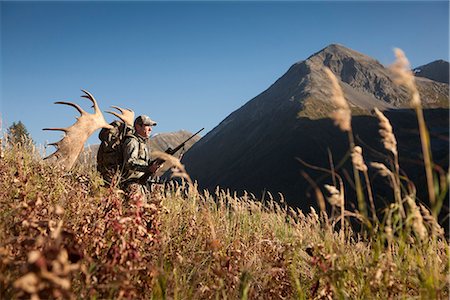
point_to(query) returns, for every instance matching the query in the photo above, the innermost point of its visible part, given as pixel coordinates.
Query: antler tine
(121, 109)
(127, 115)
(118, 108)
(80, 110)
(59, 129)
(71, 145)
(90, 97)
(55, 154)
(114, 114)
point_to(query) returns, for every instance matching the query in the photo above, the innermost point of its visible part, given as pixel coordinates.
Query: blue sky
(187, 64)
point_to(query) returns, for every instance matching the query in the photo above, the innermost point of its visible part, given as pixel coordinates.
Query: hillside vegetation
(64, 235)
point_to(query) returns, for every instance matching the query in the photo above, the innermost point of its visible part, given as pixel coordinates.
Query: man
(136, 158)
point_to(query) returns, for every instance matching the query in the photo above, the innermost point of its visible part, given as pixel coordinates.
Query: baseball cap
(144, 120)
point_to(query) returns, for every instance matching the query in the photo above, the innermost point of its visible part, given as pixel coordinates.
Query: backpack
(110, 151)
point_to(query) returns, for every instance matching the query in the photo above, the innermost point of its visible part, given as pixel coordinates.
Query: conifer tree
(18, 133)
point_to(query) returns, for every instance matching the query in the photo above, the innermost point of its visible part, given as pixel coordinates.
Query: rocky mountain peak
(365, 81)
(336, 52)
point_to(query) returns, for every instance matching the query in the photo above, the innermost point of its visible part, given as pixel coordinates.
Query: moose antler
(76, 135)
(127, 115)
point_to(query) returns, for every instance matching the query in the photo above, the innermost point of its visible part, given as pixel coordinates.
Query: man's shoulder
(130, 138)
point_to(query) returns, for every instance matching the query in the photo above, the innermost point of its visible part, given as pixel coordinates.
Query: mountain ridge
(255, 146)
(437, 70)
(306, 88)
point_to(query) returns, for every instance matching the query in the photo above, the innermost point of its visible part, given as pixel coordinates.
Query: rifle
(160, 161)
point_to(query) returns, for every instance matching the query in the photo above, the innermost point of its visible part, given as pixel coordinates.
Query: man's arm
(152, 168)
(131, 156)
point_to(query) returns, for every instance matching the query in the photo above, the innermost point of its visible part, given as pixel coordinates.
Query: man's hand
(154, 167)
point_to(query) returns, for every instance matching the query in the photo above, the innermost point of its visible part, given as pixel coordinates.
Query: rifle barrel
(173, 151)
(191, 137)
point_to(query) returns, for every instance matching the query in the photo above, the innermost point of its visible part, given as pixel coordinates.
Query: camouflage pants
(139, 197)
(137, 192)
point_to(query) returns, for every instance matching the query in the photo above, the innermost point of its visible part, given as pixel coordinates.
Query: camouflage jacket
(136, 157)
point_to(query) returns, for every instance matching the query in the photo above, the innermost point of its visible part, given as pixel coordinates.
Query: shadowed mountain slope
(255, 147)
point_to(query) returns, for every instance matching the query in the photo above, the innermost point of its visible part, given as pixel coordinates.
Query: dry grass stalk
(358, 162)
(386, 132)
(318, 193)
(178, 169)
(405, 77)
(436, 229)
(342, 115)
(335, 198)
(416, 219)
(389, 234)
(384, 171)
(390, 144)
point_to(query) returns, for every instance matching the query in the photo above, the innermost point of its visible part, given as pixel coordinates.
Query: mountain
(437, 70)
(256, 147)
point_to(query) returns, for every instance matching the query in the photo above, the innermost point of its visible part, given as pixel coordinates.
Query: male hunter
(136, 158)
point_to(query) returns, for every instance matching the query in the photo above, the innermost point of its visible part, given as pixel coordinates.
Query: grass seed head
(358, 159)
(416, 219)
(436, 229)
(404, 76)
(384, 171)
(386, 132)
(342, 115)
(335, 197)
(177, 166)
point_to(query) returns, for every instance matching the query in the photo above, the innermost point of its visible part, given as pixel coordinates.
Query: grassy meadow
(65, 235)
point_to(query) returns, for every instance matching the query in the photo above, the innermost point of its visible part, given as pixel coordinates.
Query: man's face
(143, 130)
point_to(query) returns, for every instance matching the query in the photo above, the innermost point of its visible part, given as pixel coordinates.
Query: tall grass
(67, 236)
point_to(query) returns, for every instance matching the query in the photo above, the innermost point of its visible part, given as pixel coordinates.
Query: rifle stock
(160, 161)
